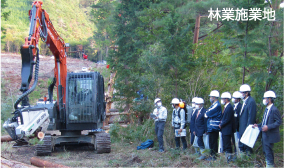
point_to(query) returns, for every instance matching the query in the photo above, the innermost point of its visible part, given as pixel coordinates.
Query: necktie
(264, 117)
(193, 112)
(235, 107)
(198, 114)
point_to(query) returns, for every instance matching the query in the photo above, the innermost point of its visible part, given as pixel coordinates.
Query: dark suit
(272, 135)
(192, 126)
(237, 117)
(227, 124)
(200, 126)
(237, 110)
(247, 117)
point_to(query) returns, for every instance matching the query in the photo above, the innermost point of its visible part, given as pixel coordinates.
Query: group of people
(233, 118)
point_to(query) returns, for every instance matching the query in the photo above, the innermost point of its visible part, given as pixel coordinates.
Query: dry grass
(125, 155)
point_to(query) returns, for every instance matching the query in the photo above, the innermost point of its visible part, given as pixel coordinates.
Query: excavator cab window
(81, 98)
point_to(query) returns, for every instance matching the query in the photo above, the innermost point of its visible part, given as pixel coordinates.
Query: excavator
(80, 103)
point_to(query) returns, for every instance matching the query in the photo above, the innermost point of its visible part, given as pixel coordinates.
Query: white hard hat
(194, 99)
(268, 94)
(156, 100)
(214, 93)
(199, 101)
(226, 95)
(237, 95)
(175, 101)
(245, 88)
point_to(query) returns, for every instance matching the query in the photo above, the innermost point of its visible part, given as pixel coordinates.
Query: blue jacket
(214, 113)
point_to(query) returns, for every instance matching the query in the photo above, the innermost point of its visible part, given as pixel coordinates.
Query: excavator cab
(85, 106)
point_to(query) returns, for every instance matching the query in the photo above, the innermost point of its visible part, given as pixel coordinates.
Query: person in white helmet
(200, 127)
(214, 116)
(178, 122)
(161, 113)
(227, 124)
(191, 126)
(269, 127)
(247, 115)
(237, 108)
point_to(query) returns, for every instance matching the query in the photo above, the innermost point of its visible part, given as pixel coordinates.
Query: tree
(4, 16)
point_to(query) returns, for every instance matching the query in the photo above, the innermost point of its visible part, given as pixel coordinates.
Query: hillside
(71, 19)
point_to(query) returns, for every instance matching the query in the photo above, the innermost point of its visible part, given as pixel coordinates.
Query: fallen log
(6, 138)
(11, 163)
(44, 163)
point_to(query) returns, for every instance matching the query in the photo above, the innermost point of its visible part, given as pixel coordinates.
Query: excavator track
(44, 149)
(103, 144)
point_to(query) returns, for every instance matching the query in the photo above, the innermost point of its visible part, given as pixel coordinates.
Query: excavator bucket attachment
(27, 68)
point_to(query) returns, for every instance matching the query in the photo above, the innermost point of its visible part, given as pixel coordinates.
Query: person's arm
(182, 119)
(226, 119)
(155, 111)
(251, 112)
(277, 120)
(163, 114)
(213, 111)
(173, 119)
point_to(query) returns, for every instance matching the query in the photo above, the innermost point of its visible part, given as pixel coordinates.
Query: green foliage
(133, 133)
(4, 16)
(70, 19)
(7, 103)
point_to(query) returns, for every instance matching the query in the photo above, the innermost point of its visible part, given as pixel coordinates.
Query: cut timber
(11, 163)
(6, 138)
(44, 163)
(117, 113)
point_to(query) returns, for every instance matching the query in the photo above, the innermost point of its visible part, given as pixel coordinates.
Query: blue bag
(147, 144)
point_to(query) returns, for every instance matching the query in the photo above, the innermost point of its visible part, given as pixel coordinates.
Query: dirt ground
(11, 65)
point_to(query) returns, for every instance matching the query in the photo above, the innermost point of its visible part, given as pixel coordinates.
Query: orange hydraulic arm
(41, 27)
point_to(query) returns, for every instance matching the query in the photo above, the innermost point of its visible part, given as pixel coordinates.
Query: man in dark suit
(247, 115)
(269, 127)
(227, 124)
(237, 108)
(191, 126)
(200, 126)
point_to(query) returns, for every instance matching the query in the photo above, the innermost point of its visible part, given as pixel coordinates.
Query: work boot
(228, 157)
(268, 165)
(197, 152)
(211, 158)
(202, 157)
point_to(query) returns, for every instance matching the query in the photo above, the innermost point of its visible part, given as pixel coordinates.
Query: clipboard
(153, 116)
(182, 134)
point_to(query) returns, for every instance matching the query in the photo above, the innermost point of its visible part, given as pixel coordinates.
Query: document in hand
(183, 133)
(250, 135)
(195, 144)
(153, 116)
(206, 141)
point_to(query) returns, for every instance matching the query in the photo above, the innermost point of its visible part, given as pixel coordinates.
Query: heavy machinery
(80, 101)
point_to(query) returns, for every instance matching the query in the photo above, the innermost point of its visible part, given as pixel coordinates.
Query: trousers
(213, 142)
(159, 129)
